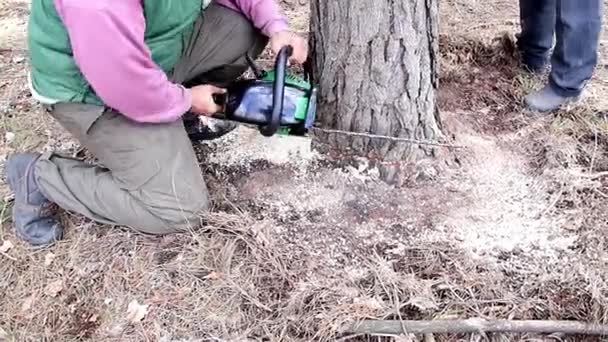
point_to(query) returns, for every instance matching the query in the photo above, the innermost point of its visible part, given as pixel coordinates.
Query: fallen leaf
(423, 303)
(213, 276)
(53, 289)
(136, 312)
(6, 246)
(27, 304)
(404, 338)
(9, 137)
(369, 303)
(3, 334)
(429, 338)
(116, 330)
(48, 259)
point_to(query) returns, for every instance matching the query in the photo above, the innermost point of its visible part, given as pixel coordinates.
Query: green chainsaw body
(276, 101)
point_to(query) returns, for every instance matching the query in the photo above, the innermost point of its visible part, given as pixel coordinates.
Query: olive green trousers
(149, 178)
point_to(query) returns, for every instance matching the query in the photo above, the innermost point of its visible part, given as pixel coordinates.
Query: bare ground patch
(299, 244)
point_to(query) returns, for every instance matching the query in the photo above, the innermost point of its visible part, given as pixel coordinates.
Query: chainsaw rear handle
(278, 91)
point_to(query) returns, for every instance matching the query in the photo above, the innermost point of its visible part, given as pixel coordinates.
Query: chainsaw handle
(278, 91)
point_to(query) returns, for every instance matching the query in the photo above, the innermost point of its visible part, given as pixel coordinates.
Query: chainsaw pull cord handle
(278, 92)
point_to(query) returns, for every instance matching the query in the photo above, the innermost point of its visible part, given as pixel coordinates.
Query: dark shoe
(547, 100)
(33, 214)
(200, 129)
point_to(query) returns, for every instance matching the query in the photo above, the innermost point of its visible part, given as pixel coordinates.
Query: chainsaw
(275, 101)
(279, 102)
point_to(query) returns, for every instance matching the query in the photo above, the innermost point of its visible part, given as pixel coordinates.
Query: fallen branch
(474, 325)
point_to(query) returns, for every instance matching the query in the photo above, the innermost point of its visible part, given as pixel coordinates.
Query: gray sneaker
(547, 100)
(33, 213)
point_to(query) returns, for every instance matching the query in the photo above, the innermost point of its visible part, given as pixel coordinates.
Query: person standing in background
(576, 26)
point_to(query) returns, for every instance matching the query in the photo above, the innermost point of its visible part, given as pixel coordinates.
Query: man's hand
(298, 43)
(202, 99)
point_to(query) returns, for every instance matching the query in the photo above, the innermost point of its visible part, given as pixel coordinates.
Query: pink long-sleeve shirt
(107, 39)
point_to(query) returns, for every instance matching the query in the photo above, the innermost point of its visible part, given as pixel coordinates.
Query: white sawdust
(510, 211)
(247, 144)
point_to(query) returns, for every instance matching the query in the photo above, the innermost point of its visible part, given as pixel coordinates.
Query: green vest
(55, 75)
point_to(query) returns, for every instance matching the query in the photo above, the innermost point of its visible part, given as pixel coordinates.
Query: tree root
(474, 325)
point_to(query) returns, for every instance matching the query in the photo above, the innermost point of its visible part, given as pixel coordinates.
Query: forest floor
(513, 227)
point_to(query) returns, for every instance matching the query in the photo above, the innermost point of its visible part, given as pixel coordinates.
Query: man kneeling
(120, 76)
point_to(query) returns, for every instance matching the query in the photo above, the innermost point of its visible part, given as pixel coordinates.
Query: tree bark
(375, 65)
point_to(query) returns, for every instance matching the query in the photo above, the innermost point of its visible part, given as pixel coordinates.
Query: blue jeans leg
(537, 30)
(577, 37)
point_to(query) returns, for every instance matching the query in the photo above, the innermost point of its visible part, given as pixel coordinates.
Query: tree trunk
(375, 65)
